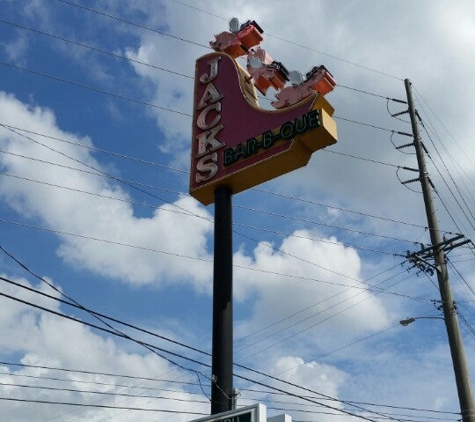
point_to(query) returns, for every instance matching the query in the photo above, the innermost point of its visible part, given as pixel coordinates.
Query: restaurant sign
(238, 144)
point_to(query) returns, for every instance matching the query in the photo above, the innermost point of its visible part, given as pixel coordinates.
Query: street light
(461, 374)
(407, 321)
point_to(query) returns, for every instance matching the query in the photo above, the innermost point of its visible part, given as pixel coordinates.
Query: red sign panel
(237, 144)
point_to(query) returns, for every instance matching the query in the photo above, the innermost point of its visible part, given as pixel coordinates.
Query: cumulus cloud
(47, 342)
(297, 286)
(299, 298)
(175, 230)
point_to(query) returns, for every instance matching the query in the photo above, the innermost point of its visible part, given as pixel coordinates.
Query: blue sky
(96, 101)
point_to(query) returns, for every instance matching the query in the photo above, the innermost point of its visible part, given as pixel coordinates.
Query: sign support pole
(222, 349)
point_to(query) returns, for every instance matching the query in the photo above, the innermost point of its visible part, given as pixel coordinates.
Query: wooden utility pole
(459, 361)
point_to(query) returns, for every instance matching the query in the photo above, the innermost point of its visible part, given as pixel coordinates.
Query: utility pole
(462, 377)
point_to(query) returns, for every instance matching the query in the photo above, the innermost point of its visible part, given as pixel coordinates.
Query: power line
(93, 89)
(451, 178)
(369, 160)
(94, 313)
(312, 306)
(101, 316)
(110, 329)
(116, 333)
(154, 207)
(368, 288)
(315, 323)
(117, 179)
(300, 45)
(363, 124)
(443, 126)
(137, 25)
(141, 102)
(312, 202)
(120, 19)
(96, 49)
(133, 185)
(101, 406)
(101, 393)
(116, 375)
(96, 149)
(293, 198)
(110, 384)
(290, 217)
(128, 182)
(94, 373)
(103, 329)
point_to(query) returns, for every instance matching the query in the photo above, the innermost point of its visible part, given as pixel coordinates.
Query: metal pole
(222, 361)
(462, 377)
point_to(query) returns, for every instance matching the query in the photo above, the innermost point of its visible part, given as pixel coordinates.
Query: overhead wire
(301, 219)
(92, 48)
(141, 102)
(18, 130)
(142, 190)
(297, 44)
(129, 182)
(307, 308)
(464, 282)
(313, 202)
(140, 160)
(110, 328)
(70, 3)
(100, 393)
(152, 348)
(137, 25)
(161, 337)
(442, 125)
(73, 304)
(154, 207)
(140, 62)
(281, 195)
(93, 89)
(314, 324)
(132, 377)
(116, 333)
(100, 406)
(65, 2)
(292, 276)
(102, 316)
(82, 372)
(467, 208)
(95, 382)
(252, 239)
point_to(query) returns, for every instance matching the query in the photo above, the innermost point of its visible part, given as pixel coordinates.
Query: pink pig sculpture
(241, 38)
(318, 79)
(265, 71)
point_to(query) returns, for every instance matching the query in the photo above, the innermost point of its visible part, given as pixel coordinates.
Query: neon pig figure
(207, 144)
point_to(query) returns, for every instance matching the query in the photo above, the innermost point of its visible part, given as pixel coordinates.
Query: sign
(238, 144)
(254, 413)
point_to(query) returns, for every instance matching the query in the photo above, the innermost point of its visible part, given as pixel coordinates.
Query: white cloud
(44, 340)
(324, 282)
(429, 45)
(179, 229)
